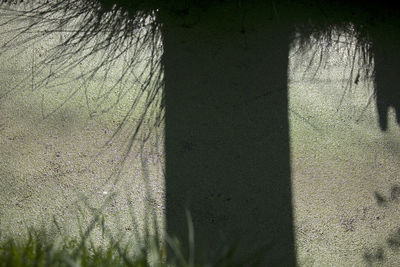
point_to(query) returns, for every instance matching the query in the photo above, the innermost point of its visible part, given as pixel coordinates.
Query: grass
(34, 252)
(38, 249)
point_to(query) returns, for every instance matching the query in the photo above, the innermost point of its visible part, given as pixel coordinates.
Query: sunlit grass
(37, 249)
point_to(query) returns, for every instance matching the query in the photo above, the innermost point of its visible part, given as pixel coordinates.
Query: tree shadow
(224, 77)
(379, 254)
(227, 133)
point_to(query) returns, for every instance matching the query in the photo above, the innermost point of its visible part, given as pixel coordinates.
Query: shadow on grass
(379, 254)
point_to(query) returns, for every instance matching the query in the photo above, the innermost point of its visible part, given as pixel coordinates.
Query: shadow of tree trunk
(227, 133)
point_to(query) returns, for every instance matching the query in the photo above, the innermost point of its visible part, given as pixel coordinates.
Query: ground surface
(56, 149)
(344, 173)
(344, 170)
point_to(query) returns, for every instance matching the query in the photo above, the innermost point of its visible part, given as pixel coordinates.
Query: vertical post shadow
(227, 133)
(386, 50)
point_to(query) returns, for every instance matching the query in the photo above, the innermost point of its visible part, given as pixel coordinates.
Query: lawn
(61, 166)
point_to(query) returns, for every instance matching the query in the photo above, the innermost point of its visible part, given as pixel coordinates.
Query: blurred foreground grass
(41, 249)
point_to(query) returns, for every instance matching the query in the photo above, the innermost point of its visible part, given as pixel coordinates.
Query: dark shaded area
(386, 50)
(227, 133)
(374, 257)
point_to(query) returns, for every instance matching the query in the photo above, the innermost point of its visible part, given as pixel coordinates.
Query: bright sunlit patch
(343, 166)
